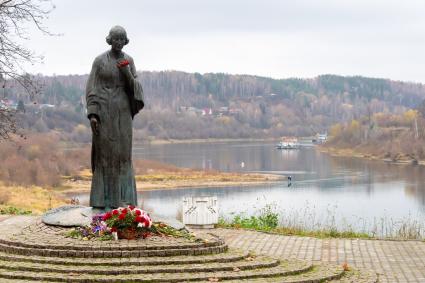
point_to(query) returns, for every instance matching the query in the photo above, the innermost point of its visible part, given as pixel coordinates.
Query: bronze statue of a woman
(114, 97)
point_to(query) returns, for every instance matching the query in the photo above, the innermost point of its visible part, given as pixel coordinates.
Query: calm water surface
(349, 192)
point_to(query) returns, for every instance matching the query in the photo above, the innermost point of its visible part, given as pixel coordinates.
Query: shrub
(38, 160)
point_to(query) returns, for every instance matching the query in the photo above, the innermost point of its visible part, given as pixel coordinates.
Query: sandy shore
(348, 152)
(170, 141)
(178, 180)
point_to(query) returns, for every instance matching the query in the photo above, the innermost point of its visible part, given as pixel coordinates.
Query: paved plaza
(394, 261)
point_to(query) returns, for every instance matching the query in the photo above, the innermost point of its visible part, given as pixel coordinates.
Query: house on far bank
(321, 138)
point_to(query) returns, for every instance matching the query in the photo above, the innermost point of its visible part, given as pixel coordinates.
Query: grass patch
(267, 220)
(307, 222)
(256, 223)
(11, 210)
(33, 198)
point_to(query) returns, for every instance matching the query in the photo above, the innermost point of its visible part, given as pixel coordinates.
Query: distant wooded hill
(183, 105)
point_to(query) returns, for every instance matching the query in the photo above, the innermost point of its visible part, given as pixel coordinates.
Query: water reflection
(354, 191)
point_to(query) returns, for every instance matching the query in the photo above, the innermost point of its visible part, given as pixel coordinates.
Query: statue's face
(118, 40)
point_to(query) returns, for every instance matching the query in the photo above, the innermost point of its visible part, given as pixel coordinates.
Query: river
(349, 193)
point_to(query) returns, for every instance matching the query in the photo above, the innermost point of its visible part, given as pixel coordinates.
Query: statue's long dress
(114, 102)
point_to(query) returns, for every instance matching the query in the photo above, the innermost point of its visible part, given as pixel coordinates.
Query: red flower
(124, 211)
(106, 216)
(113, 229)
(122, 216)
(115, 212)
(131, 207)
(138, 219)
(138, 212)
(146, 222)
(123, 63)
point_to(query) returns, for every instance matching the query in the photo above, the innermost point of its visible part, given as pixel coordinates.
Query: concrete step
(284, 269)
(230, 256)
(319, 273)
(122, 245)
(113, 253)
(257, 263)
(357, 276)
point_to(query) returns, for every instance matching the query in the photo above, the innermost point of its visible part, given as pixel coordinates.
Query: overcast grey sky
(280, 39)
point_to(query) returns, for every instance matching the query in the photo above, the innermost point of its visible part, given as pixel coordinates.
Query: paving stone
(393, 261)
(36, 251)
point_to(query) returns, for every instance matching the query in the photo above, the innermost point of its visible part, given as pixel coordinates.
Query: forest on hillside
(183, 105)
(392, 137)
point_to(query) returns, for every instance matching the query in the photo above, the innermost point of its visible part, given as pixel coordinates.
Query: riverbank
(401, 159)
(174, 141)
(150, 175)
(74, 145)
(37, 199)
(178, 179)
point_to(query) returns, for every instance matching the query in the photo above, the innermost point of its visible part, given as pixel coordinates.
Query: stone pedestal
(78, 215)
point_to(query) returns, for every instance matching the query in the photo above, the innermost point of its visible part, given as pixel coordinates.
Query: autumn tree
(15, 16)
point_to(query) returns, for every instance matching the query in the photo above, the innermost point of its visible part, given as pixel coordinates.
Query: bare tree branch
(14, 15)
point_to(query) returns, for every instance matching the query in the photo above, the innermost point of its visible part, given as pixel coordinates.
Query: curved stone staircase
(38, 252)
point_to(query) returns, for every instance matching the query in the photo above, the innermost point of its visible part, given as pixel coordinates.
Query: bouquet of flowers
(124, 223)
(129, 222)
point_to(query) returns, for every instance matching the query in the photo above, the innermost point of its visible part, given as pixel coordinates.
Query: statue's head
(117, 33)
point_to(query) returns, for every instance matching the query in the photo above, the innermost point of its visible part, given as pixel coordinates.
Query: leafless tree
(15, 15)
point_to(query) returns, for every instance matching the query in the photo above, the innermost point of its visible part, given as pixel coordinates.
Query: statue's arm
(91, 96)
(127, 71)
(133, 68)
(137, 86)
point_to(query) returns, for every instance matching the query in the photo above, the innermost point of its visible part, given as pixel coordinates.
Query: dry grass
(36, 199)
(156, 175)
(4, 197)
(181, 178)
(200, 179)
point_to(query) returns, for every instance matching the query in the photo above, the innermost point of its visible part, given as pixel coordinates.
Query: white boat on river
(288, 144)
